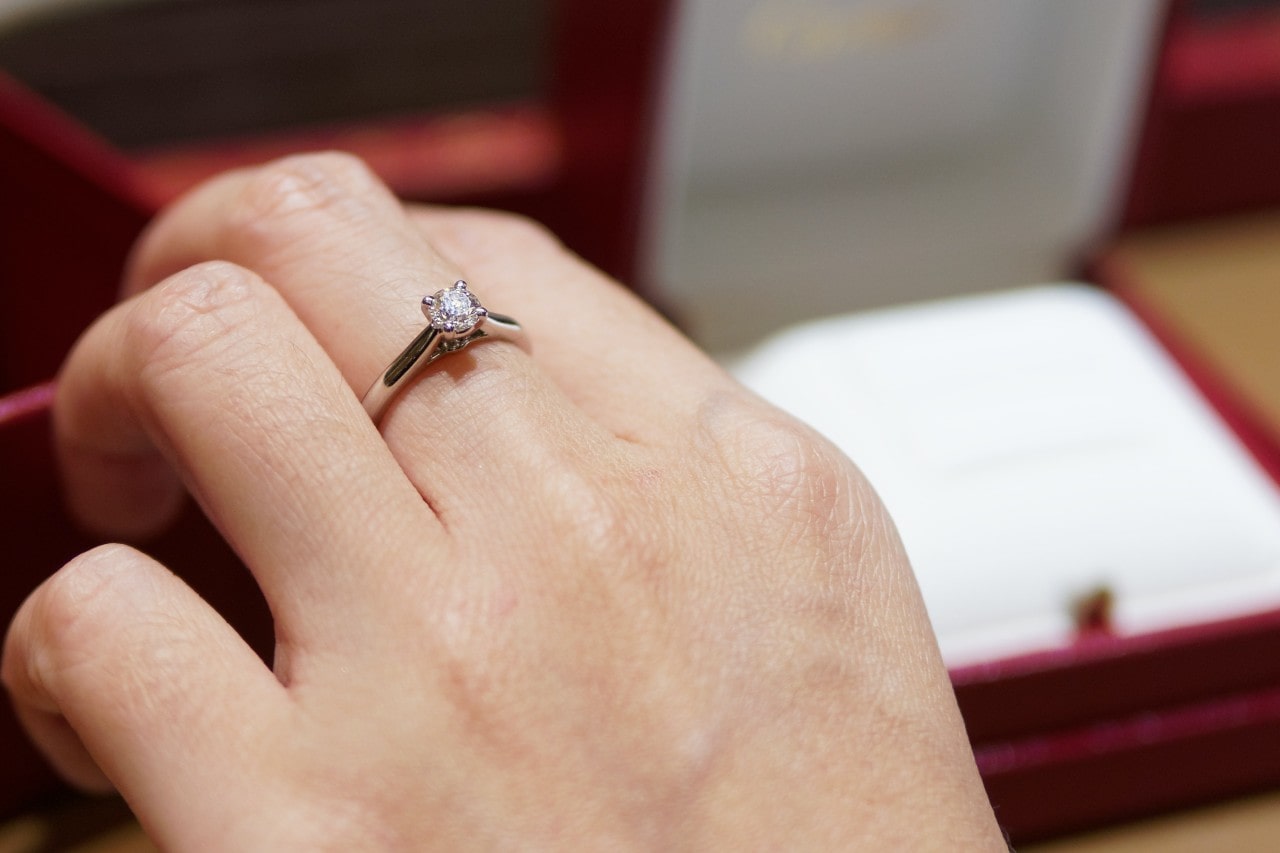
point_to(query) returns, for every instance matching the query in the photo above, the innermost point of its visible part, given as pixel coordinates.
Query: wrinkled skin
(591, 596)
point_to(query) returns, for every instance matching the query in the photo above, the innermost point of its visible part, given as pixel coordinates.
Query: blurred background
(750, 165)
(747, 163)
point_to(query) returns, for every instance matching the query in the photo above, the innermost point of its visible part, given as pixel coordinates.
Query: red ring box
(1119, 727)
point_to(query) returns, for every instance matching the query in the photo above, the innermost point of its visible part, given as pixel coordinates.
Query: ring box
(1121, 726)
(1118, 723)
(1110, 728)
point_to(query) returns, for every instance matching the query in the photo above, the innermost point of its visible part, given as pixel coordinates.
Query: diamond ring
(455, 319)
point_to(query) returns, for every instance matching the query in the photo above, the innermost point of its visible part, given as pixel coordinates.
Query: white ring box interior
(824, 157)
(1034, 446)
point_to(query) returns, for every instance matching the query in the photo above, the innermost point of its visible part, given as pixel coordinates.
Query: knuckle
(70, 594)
(800, 496)
(607, 531)
(613, 527)
(300, 186)
(99, 622)
(186, 314)
(791, 477)
(65, 616)
(600, 516)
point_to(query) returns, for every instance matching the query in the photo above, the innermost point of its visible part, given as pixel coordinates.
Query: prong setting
(454, 316)
(454, 311)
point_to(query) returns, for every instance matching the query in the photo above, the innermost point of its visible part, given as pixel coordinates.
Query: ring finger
(344, 254)
(612, 356)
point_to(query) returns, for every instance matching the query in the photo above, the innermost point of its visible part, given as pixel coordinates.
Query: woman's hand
(594, 597)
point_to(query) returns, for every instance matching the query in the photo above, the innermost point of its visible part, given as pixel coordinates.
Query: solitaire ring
(455, 319)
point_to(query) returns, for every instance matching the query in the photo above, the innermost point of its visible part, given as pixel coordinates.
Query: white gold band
(456, 319)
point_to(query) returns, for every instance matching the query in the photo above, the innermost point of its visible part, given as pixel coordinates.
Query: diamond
(454, 310)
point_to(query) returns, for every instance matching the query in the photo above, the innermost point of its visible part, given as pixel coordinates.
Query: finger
(323, 230)
(613, 355)
(122, 673)
(62, 747)
(214, 370)
(342, 251)
(355, 267)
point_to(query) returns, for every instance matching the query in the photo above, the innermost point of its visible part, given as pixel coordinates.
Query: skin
(592, 596)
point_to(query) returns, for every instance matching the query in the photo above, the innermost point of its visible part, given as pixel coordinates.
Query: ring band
(455, 320)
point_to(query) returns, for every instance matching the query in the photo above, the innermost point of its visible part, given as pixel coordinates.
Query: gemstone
(454, 310)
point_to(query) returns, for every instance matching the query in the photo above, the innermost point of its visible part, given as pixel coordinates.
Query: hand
(593, 597)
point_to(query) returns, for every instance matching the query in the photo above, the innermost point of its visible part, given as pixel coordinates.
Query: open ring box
(1109, 725)
(1079, 472)
(1138, 721)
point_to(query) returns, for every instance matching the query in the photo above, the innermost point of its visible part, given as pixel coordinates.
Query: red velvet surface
(1115, 728)
(1111, 677)
(511, 149)
(1211, 136)
(1162, 759)
(69, 209)
(605, 93)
